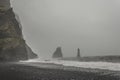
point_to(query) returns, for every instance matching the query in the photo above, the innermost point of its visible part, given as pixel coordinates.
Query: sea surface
(92, 65)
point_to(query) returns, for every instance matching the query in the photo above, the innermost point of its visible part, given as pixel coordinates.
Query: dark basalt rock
(30, 53)
(4, 4)
(58, 53)
(78, 53)
(12, 44)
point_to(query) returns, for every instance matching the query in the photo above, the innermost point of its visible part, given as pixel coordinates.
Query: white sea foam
(92, 65)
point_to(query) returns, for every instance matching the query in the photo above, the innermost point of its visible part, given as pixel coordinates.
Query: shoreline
(91, 65)
(17, 71)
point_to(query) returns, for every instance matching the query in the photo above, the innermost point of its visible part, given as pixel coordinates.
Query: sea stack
(58, 53)
(13, 47)
(78, 53)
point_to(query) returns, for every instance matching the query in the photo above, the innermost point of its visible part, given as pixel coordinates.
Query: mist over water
(91, 25)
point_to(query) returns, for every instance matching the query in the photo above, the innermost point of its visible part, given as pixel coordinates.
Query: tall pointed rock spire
(78, 53)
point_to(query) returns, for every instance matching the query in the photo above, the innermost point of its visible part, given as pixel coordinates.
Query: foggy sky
(91, 25)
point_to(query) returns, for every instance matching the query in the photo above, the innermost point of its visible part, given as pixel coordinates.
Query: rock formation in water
(58, 53)
(78, 53)
(12, 44)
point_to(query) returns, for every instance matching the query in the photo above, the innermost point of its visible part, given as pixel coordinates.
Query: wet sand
(10, 71)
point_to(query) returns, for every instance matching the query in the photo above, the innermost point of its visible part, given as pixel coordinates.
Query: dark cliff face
(58, 53)
(4, 4)
(30, 53)
(12, 45)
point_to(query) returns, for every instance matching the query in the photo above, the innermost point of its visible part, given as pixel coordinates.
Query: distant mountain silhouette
(58, 53)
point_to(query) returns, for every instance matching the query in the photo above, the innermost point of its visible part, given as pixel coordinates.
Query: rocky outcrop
(78, 53)
(4, 4)
(58, 53)
(12, 44)
(30, 53)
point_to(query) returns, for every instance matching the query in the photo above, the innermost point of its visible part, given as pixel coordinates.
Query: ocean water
(92, 65)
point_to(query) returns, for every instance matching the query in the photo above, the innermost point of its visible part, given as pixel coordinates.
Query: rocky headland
(13, 47)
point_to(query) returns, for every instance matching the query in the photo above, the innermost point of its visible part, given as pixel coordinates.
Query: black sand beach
(9, 71)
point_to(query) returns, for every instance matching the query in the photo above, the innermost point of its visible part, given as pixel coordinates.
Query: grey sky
(91, 25)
